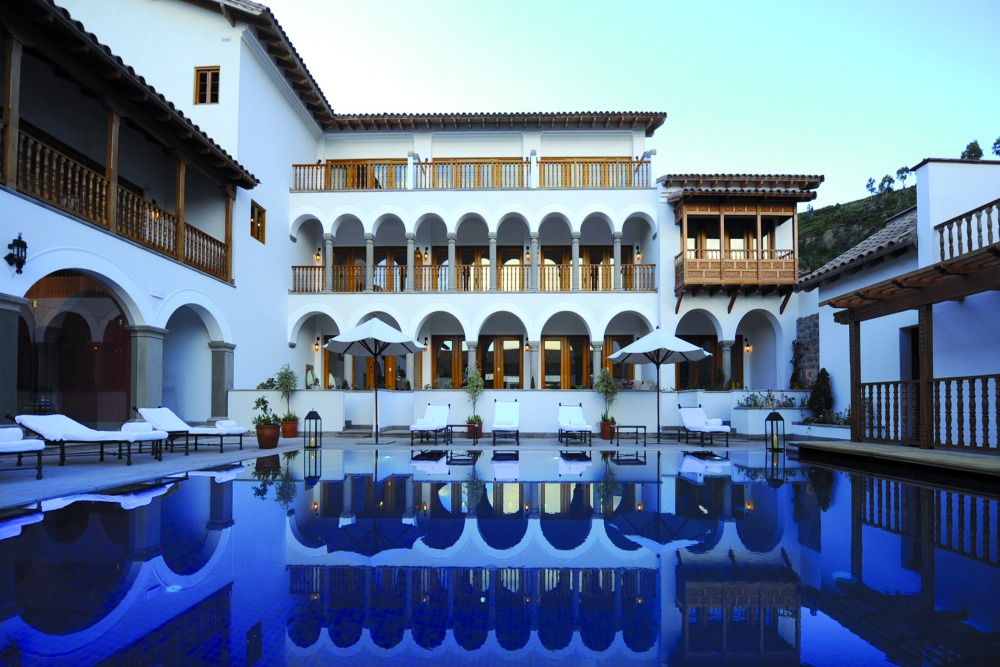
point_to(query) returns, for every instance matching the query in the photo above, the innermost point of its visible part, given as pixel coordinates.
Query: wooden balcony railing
(512, 278)
(639, 277)
(473, 278)
(389, 278)
(349, 278)
(735, 267)
(594, 173)
(596, 277)
(970, 231)
(555, 277)
(430, 278)
(962, 409)
(471, 174)
(47, 174)
(307, 279)
(350, 175)
(57, 179)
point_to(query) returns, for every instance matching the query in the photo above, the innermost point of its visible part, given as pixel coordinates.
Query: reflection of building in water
(947, 543)
(470, 606)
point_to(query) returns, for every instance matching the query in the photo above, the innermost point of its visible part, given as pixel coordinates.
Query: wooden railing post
(925, 356)
(179, 210)
(857, 405)
(230, 197)
(11, 110)
(111, 170)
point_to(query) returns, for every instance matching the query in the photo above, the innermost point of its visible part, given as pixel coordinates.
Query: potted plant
(286, 381)
(608, 389)
(268, 424)
(474, 389)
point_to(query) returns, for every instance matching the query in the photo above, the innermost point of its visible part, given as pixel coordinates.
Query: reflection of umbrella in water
(377, 339)
(371, 536)
(659, 348)
(651, 529)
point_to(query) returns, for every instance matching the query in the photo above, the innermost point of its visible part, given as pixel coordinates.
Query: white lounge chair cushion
(12, 441)
(571, 419)
(695, 419)
(713, 422)
(435, 418)
(164, 419)
(506, 470)
(506, 416)
(55, 428)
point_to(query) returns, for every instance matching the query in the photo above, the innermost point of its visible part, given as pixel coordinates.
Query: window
(565, 362)
(258, 221)
(206, 85)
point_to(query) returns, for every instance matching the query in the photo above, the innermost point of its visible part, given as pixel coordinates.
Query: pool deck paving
(86, 474)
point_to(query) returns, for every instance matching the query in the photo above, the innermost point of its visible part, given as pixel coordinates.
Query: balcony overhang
(649, 122)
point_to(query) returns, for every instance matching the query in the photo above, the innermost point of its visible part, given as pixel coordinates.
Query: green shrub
(821, 399)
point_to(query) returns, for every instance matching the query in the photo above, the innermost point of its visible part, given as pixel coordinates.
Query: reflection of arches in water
(388, 597)
(555, 605)
(513, 617)
(346, 609)
(597, 603)
(565, 534)
(502, 534)
(306, 621)
(188, 545)
(760, 530)
(430, 607)
(640, 609)
(471, 611)
(68, 524)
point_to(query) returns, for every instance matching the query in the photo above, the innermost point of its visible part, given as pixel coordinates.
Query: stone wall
(807, 342)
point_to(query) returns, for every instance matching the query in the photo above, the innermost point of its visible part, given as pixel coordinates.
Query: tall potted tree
(286, 381)
(474, 389)
(608, 390)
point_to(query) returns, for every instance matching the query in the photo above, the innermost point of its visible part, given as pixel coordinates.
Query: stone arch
(306, 311)
(346, 214)
(302, 215)
(764, 367)
(645, 315)
(211, 316)
(699, 320)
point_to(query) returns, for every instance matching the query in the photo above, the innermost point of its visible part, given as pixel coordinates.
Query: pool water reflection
(316, 556)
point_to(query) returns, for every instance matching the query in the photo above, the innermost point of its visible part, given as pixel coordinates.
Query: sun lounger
(694, 420)
(506, 421)
(431, 462)
(61, 430)
(434, 423)
(574, 463)
(165, 419)
(572, 425)
(12, 441)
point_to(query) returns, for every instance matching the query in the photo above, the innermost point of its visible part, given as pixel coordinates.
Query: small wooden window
(206, 85)
(258, 221)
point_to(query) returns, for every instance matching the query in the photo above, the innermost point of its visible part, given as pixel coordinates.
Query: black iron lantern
(774, 431)
(312, 468)
(312, 433)
(18, 254)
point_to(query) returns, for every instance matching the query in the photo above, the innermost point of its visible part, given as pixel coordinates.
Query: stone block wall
(807, 340)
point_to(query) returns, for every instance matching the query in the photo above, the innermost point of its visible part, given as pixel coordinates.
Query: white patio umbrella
(658, 348)
(373, 338)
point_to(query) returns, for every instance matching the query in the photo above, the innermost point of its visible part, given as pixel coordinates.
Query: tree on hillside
(902, 174)
(870, 186)
(972, 151)
(885, 185)
(996, 147)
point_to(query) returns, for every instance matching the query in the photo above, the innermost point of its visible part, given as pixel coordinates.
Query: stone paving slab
(967, 462)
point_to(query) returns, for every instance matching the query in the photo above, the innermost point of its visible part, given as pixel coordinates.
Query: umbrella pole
(376, 413)
(657, 403)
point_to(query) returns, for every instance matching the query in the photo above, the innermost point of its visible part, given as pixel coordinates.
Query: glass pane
(443, 350)
(486, 359)
(579, 348)
(553, 363)
(511, 364)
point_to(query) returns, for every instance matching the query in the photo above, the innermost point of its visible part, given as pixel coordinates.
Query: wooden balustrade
(389, 278)
(735, 267)
(555, 277)
(512, 278)
(966, 412)
(146, 223)
(205, 252)
(596, 277)
(47, 174)
(307, 279)
(639, 277)
(430, 278)
(890, 412)
(473, 278)
(594, 173)
(349, 278)
(471, 174)
(965, 525)
(350, 175)
(970, 231)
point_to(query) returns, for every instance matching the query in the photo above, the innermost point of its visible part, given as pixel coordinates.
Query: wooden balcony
(471, 174)
(698, 269)
(971, 231)
(60, 181)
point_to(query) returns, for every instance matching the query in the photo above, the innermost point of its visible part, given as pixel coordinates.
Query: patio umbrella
(374, 338)
(658, 348)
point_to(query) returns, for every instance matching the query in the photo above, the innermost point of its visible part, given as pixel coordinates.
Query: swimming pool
(329, 555)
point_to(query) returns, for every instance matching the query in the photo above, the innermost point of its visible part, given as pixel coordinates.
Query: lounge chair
(431, 461)
(164, 419)
(61, 430)
(506, 465)
(12, 441)
(694, 420)
(506, 420)
(572, 425)
(574, 463)
(434, 423)
(696, 466)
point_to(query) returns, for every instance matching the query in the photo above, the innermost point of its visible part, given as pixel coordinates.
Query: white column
(535, 270)
(727, 357)
(369, 262)
(452, 269)
(617, 254)
(409, 263)
(533, 366)
(575, 263)
(328, 262)
(597, 361)
(493, 261)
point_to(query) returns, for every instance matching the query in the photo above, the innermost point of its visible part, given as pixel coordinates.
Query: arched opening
(699, 328)
(74, 351)
(567, 357)
(187, 366)
(501, 353)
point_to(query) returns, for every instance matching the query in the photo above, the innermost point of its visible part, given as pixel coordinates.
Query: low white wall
(327, 403)
(821, 431)
(750, 421)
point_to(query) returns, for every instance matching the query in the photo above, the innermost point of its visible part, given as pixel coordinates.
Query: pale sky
(844, 88)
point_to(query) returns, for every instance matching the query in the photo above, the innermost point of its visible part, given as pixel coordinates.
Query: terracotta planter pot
(268, 463)
(475, 429)
(607, 430)
(289, 429)
(267, 436)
